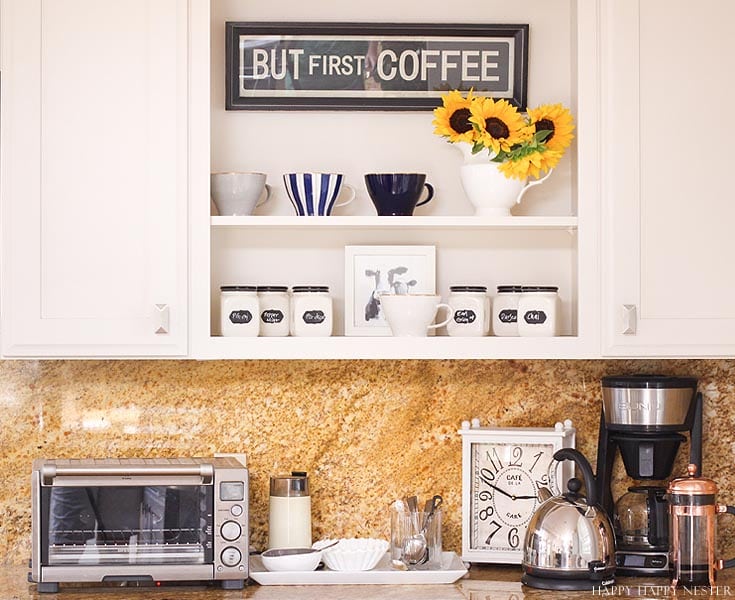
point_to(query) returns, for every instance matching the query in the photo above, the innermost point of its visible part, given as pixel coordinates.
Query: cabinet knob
(161, 318)
(630, 319)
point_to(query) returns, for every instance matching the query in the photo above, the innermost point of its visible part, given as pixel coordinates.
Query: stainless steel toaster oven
(143, 520)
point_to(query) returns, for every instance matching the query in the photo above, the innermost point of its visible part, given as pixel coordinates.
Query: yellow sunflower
(499, 124)
(558, 120)
(452, 119)
(534, 164)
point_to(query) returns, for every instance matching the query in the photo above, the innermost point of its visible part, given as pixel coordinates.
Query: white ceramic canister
(275, 310)
(538, 311)
(289, 515)
(239, 310)
(311, 311)
(505, 310)
(471, 306)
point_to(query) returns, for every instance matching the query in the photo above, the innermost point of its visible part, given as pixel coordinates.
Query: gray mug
(238, 194)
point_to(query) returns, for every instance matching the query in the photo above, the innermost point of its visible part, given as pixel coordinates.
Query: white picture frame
(416, 267)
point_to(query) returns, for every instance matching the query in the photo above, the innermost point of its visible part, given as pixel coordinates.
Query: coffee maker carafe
(641, 518)
(643, 417)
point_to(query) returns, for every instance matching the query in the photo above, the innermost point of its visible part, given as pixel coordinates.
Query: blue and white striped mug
(316, 193)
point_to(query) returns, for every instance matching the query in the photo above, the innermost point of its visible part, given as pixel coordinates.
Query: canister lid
(693, 485)
(310, 288)
(512, 289)
(540, 288)
(648, 381)
(289, 486)
(479, 289)
(272, 288)
(238, 288)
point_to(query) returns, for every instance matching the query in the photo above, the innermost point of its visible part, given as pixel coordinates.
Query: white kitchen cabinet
(668, 214)
(94, 177)
(553, 241)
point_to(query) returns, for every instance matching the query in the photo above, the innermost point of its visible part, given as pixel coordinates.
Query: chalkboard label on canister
(464, 316)
(271, 316)
(535, 317)
(508, 316)
(241, 316)
(313, 317)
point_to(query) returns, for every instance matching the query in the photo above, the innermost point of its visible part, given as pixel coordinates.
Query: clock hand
(511, 496)
(495, 487)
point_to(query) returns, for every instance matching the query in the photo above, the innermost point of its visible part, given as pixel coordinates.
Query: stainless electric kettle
(570, 543)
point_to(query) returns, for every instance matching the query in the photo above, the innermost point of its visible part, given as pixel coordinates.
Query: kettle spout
(543, 494)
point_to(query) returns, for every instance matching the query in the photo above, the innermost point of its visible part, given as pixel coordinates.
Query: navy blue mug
(397, 194)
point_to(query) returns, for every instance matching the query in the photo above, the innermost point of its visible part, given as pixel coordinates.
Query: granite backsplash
(367, 432)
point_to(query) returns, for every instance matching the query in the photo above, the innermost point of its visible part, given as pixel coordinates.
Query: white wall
(356, 142)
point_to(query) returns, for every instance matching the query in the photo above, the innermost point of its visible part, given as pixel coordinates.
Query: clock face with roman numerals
(505, 479)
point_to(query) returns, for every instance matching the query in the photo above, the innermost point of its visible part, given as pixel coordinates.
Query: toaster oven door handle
(204, 471)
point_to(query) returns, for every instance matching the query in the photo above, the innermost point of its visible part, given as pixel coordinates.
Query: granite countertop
(482, 583)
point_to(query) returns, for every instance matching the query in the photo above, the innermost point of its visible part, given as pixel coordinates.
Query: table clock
(502, 471)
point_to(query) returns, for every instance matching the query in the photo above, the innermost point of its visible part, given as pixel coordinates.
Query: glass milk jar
(538, 311)
(275, 308)
(289, 515)
(311, 311)
(471, 306)
(505, 310)
(239, 310)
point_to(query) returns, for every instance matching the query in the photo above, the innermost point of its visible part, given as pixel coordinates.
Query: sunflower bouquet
(523, 145)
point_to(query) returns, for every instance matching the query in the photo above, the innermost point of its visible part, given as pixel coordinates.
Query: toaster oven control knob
(230, 530)
(231, 557)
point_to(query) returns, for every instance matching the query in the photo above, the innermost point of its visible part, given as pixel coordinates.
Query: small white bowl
(356, 554)
(290, 562)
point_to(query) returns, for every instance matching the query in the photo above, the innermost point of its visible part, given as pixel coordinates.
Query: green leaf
(542, 135)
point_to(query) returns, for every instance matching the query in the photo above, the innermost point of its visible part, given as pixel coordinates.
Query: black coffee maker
(643, 417)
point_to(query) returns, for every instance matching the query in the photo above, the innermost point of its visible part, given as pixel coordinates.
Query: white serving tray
(452, 569)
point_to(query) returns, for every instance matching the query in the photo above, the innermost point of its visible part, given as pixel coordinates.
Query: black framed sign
(371, 66)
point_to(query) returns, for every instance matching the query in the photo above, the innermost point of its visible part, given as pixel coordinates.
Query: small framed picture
(374, 270)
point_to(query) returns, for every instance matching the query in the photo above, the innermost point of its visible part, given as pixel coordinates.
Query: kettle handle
(725, 564)
(585, 467)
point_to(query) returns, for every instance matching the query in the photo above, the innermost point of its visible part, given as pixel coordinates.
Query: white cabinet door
(668, 209)
(94, 177)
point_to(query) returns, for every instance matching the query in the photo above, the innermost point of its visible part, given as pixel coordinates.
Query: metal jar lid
(692, 485)
(290, 486)
(273, 288)
(238, 288)
(509, 289)
(539, 288)
(297, 289)
(477, 289)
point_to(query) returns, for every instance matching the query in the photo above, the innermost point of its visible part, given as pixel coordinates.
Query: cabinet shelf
(439, 347)
(414, 222)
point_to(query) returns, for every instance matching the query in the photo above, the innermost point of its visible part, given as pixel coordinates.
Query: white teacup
(412, 315)
(238, 194)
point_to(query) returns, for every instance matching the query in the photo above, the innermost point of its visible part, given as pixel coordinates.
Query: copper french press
(693, 526)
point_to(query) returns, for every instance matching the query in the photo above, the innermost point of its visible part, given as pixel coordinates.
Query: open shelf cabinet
(551, 239)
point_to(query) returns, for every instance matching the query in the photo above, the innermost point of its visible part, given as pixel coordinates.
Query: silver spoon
(294, 551)
(414, 546)
(430, 508)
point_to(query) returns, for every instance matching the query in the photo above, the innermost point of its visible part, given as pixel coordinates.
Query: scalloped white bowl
(355, 554)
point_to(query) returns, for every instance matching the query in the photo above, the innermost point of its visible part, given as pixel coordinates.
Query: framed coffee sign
(371, 66)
